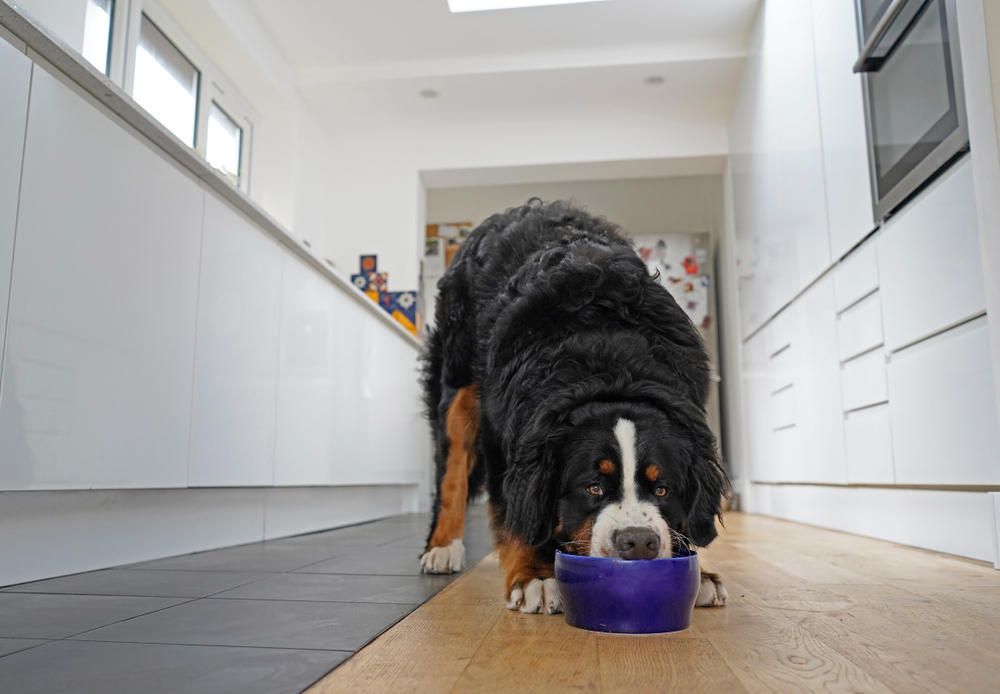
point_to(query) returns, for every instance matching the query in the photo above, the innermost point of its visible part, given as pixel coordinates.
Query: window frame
(212, 85)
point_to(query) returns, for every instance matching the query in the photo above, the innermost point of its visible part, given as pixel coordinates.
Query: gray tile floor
(268, 618)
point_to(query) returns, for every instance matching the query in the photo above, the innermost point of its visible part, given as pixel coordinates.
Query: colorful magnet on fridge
(690, 265)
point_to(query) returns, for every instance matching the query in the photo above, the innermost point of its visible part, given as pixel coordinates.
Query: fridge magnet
(690, 265)
(701, 255)
(369, 263)
(676, 280)
(706, 322)
(692, 305)
(689, 287)
(706, 281)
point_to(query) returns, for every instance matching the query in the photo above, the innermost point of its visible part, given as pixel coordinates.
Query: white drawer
(781, 367)
(859, 328)
(779, 332)
(869, 446)
(930, 269)
(856, 277)
(862, 381)
(783, 407)
(944, 410)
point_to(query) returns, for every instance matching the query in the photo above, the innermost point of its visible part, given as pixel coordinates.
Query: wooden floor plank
(810, 610)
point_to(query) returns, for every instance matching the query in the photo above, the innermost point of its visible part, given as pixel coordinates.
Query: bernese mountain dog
(565, 378)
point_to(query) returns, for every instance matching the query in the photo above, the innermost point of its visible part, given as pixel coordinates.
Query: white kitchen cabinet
(863, 381)
(859, 328)
(842, 119)
(779, 197)
(758, 393)
(930, 271)
(15, 78)
(856, 276)
(236, 364)
(868, 436)
(943, 409)
(103, 304)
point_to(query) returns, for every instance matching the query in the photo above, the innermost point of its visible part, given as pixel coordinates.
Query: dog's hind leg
(445, 551)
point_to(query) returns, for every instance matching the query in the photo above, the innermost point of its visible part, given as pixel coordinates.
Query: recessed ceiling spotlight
(655, 79)
(428, 93)
(479, 5)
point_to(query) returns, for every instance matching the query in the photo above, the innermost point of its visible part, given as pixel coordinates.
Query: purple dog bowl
(645, 596)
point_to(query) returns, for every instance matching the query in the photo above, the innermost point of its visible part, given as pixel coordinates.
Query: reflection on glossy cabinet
(943, 409)
(235, 384)
(758, 390)
(842, 119)
(15, 75)
(777, 164)
(99, 362)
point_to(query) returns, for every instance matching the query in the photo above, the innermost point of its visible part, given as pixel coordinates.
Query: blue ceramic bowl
(648, 596)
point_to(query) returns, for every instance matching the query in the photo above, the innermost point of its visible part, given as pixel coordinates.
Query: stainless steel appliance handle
(880, 29)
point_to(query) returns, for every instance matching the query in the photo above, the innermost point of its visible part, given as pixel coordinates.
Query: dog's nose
(637, 543)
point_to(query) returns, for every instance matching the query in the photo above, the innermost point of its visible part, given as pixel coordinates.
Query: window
(225, 143)
(97, 33)
(165, 82)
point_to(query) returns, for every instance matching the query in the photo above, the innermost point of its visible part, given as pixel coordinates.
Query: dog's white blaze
(630, 512)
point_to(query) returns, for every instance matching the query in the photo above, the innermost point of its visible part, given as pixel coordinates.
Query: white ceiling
(361, 64)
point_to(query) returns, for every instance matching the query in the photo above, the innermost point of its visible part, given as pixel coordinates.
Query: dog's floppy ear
(706, 481)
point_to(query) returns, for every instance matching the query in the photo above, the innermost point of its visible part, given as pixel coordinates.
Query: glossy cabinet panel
(856, 277)
(779, 198)
(869, 446)
(757, 393)
(863, 381)
(15, 78)
(859, 328)
(99, 364)
(931, 274)
(348, 401)
(842, 120)
(783, 407)
(235, 384)
(943, 407)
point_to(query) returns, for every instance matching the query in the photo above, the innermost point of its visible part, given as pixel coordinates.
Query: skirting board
(53, 533)
(955, 522)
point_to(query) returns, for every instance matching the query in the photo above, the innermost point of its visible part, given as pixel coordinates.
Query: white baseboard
(53, 533)
(955, 522)
(996, 527)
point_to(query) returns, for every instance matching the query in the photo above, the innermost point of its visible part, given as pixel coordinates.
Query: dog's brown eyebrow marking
(606, 467)
(652, 473)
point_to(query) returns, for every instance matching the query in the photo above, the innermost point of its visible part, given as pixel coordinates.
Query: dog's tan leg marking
(712, 592)
(529, 585)
(445, 551)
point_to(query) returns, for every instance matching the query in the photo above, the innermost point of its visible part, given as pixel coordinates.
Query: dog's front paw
(443, 560)
(541, 595)
(712, 592)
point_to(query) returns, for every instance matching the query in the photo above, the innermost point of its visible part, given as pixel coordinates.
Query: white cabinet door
(869, 446)
(930, 271)
(15, 76)
(944, 412)
(841, 111)
(236, 366)
(103, 304)
(859, 328)
(779, 198)
(757, 409)
(819, 415)
(856, 276)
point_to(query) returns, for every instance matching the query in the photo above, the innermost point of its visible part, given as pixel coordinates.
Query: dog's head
(625, 481)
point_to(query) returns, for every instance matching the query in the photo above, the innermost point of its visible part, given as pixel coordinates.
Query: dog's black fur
(552, 313)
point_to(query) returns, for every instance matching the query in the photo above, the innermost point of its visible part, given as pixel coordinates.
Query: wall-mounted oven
(913, 92)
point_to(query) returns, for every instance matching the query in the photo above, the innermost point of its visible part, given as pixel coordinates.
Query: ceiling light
(477, 5)
(655, 79)
(428, 93)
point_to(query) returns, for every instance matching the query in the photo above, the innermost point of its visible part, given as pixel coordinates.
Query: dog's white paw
(712, 592)
(539, 596)
(443, 560)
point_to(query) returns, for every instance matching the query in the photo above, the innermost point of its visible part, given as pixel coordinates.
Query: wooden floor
(810, 611)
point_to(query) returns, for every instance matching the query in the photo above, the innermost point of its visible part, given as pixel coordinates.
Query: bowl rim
(587, 559)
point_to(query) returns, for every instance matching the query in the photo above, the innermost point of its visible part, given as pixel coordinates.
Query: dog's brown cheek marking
(462, 427)
(520, 563)
(652, 473)
(580, 539)
(606, 467)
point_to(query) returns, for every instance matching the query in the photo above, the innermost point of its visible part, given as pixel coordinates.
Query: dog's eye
(660, 491)
(595, 490)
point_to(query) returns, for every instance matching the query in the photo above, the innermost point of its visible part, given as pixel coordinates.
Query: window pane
(224, 139)
(97, 33)
(165, 83)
